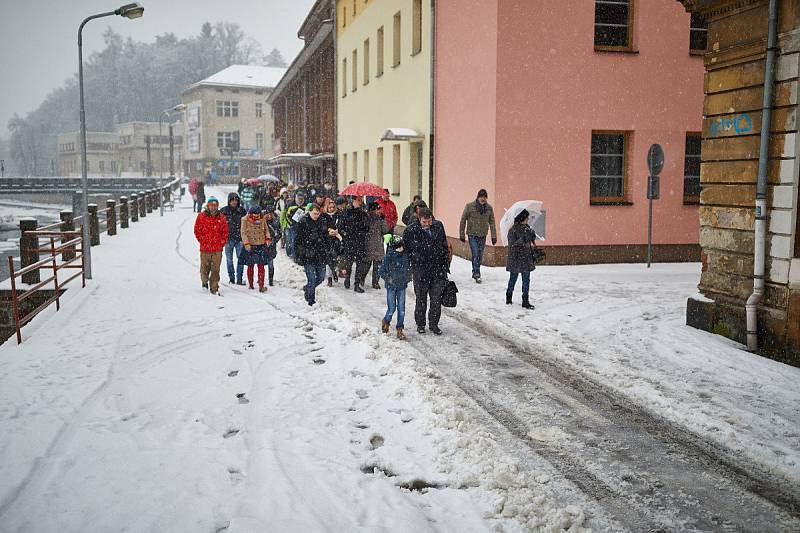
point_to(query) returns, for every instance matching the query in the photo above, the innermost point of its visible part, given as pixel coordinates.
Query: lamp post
(129, 11)
(179, 107)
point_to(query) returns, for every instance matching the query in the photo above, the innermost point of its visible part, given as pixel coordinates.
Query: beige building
(141, 147)
(101, 153)
(228, 123)
(383, 83)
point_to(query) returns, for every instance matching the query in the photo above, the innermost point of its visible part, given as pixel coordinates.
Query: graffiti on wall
(740, 124)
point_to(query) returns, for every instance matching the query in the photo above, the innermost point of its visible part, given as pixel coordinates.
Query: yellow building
(383, 84)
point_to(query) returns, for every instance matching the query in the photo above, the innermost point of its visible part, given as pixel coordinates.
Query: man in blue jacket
(234, 212)
(426, 241)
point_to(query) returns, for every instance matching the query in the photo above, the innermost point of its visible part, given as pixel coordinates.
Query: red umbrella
(253, 181)
(362, 189)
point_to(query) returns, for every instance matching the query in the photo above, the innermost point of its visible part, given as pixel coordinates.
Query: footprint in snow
(237, 352)
(233, 373)
(376, 441)
(228, 335)
(318, 361)
(230, 433)
(242, 398)
(361, 393)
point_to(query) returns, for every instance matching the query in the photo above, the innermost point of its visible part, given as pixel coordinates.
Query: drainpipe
(761, 187)
(431, 132)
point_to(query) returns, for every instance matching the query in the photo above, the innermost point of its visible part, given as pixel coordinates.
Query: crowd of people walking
(337, 238)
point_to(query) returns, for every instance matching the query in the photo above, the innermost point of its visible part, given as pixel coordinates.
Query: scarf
(481, 208)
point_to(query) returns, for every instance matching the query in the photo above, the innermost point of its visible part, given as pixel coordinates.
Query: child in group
(256, 238)
(395, 271)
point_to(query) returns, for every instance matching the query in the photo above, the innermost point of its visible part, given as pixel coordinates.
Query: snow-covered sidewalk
(123, 410)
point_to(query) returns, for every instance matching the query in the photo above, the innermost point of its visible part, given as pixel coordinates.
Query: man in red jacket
(389, 210)
(211, 231)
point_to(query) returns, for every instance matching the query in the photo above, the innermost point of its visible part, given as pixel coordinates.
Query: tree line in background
(127, 81)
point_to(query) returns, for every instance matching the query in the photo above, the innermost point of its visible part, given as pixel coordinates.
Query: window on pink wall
(608, 177)
(691, 169)
(613, 25)
(698, 34)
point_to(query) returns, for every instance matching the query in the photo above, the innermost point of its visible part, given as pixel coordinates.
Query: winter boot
(435, 330)
(358, 288)
(205, 285)
(376, 286)
(271, 276)
(526, 303)
(262, 288)
(508, 298)
(400, 334)
(232, 280)
(384, 326)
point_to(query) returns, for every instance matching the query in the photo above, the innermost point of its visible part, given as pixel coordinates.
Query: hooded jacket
(234, 218)
(211, 231)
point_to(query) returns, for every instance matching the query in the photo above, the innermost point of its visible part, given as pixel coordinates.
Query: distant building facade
(732, 133)
(144, 151)
(304, 106)
(102, 153)
(568, 120)
(383, 87)
(228, 124)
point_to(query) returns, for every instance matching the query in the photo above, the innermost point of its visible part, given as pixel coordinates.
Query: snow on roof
(245, 76)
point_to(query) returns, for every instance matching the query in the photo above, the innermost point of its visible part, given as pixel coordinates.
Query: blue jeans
(230, 247)
(526, 282)
(395, 299)
(290, 234)
(315, 275)
(476, 246)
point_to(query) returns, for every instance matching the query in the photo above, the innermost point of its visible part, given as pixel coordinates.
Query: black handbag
(538, 254)
(449, 294)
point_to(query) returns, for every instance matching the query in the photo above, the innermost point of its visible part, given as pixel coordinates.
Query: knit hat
(340, 200)
(483, 194)
(395, 242)
(212, 199)
(254, 210)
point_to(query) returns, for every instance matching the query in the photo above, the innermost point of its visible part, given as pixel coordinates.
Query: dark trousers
(423, 288)
(376, 268)
(362, 269)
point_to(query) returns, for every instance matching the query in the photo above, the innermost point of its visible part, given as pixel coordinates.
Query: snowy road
(168, 409)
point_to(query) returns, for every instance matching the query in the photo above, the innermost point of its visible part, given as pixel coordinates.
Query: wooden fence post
(134, 207)
(67, 224)
(111, 217)
(142, 208)
(123, 212)
(94, 226)
(28, 249)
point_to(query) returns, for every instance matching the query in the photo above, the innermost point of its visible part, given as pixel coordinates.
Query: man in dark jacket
(408, 212)
(234, 212)
(312, 250)
(426, 241)
(354, 227)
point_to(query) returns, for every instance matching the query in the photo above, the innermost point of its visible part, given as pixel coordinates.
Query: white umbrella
(534, 207)
(268, 177)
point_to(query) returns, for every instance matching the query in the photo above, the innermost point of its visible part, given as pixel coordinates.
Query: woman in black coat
(521, 247)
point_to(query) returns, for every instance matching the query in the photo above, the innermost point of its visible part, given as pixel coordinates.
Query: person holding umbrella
(521, 260)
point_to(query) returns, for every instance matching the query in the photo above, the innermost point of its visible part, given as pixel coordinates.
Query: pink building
(559, 102)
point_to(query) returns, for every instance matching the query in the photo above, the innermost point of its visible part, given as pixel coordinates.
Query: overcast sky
(38, 38)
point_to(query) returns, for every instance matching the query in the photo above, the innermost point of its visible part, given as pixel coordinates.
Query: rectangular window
(227, 109)
(366, 165)
(691, 169)
(397, 40)
(608, 175)
(354, 70)
(344, 77)
(259, 109)
(396, 169)
(613, 24)
(344, 16)
(102, 166)
(355, 167)
(698, 34)
(365, 59)
(259, 141)
(416, 43)
(379, 70)
(344, 165)
(228, 140)
(379, 167)
(417, 166)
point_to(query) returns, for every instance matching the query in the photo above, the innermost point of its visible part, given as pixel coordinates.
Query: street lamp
(179, 107)
(129, 11)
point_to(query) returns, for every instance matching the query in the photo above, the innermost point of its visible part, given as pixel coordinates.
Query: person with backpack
(292, 216)
(395, 272)
(211, 231)
(234, 213)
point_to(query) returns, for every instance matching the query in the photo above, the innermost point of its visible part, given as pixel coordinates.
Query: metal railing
(70, 242)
